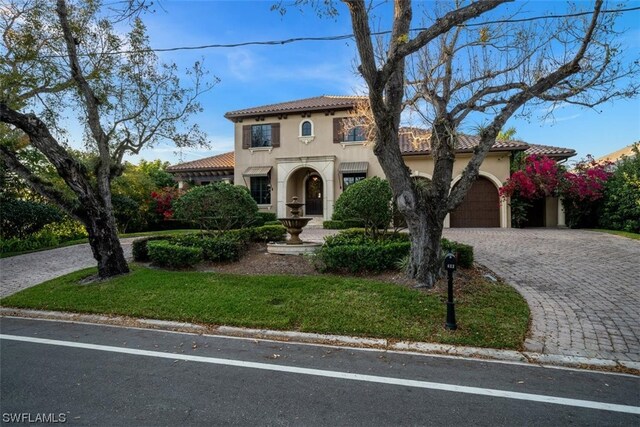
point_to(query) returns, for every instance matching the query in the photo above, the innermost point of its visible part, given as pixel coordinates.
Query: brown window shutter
(337, 131)
(275, 135)
(246, 136)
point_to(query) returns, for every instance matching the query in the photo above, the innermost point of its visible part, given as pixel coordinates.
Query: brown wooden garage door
(480, 208)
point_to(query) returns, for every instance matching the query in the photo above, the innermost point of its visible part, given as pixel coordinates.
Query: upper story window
(355, 134)
(261, 136)
(306, 128)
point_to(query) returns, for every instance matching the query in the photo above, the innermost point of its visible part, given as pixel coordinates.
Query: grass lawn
(488, 314)
(627, 234)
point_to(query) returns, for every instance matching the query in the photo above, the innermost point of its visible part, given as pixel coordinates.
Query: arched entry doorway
(314, 190)
(480, 207)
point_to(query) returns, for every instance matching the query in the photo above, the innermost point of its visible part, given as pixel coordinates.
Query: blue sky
(258, 75)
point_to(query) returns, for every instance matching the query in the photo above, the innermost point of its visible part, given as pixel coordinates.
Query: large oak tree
(460, 68)
(69, 59)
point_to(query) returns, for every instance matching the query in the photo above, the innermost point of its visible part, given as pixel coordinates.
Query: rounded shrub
(368, 201)
(217, 206)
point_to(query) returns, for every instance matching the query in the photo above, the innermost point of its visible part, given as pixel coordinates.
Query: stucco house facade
(305, 148)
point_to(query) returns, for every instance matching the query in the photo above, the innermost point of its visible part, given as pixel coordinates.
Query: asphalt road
(103, 375)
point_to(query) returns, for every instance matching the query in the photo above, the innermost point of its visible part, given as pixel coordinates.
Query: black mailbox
(450, 262)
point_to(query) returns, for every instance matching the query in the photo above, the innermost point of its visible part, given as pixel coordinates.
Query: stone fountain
(294, 224)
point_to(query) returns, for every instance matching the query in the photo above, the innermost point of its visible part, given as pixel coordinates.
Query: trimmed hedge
(223, 247)
(272, 222)
(464, 253)
(354, 251)
(268, 233)
(334, 224)
(166, 254)
(140, 250)
(360, 258)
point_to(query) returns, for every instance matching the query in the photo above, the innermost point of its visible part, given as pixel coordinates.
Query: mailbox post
(450, 266)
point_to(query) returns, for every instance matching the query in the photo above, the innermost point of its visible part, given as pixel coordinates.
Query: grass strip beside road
(489, 314)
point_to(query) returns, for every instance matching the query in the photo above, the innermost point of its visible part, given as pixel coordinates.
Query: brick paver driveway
(583, 287)
(23, 271)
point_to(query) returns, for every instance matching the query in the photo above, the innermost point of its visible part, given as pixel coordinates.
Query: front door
(313, 196)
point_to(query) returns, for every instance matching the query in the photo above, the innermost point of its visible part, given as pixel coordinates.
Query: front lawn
(489, 314)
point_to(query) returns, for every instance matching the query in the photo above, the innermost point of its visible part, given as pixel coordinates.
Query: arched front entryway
(313, 195)
(480, 207)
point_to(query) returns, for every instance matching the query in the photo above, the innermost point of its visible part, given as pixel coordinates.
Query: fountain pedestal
(294, 225)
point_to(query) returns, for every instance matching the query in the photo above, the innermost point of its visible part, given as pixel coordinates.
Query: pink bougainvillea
(539, 177)
(586, 181)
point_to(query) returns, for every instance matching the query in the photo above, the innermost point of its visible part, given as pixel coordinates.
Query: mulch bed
(257, 261)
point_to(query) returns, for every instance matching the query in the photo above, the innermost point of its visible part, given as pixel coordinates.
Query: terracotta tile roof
(414, 141)
(549, 151)
(219, 162)
(324, 102)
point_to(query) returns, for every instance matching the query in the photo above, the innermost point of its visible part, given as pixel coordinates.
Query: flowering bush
(582, 190)
(164, 200)
(539, 176)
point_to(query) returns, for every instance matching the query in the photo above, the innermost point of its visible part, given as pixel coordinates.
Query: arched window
(306, 129)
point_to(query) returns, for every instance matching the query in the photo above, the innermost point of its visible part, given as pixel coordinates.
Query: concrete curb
(338, 340)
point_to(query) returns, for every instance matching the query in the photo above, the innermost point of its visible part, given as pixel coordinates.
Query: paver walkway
(583, 287)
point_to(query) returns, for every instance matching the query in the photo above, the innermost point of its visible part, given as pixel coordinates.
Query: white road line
(339, 375)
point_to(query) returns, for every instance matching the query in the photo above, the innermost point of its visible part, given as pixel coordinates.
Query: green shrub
(20, 218)
(368, 201)
(215, 247)
(268, 233)
(357, 236)
(262, 218)
(359, 258)
(334, 224)
(464, 253)
(50, 235)
(355, 223)
(272, 223)
(621, 203)
(166, 254)
(217, 206)
(139, 247)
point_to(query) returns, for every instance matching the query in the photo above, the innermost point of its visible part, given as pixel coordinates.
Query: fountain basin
(284, 248)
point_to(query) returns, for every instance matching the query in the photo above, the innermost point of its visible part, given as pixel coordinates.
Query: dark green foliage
(166, 254)
(272, 223)
(139, 247)
(20, 218)
(354, 250)
(368, 201)
(464, 253)
(262, 218)
(621, 203)
(268, 233)
(334, 225)
(221, 247)
(365, 257)
(217, 206)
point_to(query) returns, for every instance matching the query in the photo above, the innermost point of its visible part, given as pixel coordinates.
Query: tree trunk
(105, 245)
(425, 257)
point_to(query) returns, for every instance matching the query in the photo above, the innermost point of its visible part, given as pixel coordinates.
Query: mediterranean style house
(305, 148)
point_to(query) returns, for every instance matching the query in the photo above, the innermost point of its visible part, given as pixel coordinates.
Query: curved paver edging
(337, 340)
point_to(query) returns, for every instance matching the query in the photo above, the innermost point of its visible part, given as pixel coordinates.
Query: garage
(480, 208)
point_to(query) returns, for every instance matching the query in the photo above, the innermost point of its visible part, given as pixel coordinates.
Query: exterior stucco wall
(296, 157)
(296, 152)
